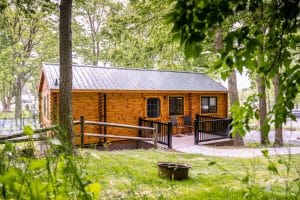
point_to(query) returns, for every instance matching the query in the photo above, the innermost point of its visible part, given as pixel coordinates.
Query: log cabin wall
(44, 104)
(88, 104)
(127, 107)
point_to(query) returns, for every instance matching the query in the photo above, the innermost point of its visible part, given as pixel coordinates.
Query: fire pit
(173, 171)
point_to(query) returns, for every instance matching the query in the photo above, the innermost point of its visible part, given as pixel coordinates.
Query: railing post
(196, 134)
(170, 131)
(140, 124)
(229, 127)
(81, 131)
(155, 135)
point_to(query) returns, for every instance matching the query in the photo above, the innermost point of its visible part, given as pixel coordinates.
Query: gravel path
(186, 144)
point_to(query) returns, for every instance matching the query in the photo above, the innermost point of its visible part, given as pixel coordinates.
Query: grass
(132, 174)
(258, 145)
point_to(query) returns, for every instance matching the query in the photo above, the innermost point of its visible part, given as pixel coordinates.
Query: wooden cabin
(122, 95)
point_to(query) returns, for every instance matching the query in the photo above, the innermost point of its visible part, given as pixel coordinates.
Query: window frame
(176, 97)
(209, 109)
(158, 107)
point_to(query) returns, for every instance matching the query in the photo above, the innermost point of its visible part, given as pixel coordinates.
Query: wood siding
(126, 108)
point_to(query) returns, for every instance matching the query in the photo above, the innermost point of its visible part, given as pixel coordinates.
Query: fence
(164, 131)
(154, 131)
(211, 128)
(20, 136)
(82, 123)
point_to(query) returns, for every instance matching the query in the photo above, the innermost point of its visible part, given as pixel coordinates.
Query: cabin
(124, 95)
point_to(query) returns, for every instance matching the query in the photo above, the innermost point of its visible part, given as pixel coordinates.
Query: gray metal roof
(110, 78)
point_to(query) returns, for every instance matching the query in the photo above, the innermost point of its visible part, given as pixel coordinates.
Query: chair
(175, 124)
(187, 123)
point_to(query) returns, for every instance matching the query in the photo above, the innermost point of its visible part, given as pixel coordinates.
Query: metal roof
(110, 78)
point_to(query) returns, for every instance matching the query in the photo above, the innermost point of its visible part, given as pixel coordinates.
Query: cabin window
(153, 107)
(176, 105)
(208, 104)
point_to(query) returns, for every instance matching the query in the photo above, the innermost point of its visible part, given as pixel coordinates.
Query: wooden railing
(154, 132)
(164, 131)
(211, 128)
(20, 136)
(82, 122)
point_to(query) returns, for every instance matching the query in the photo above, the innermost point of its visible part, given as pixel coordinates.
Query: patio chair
(175, 124)
(187, 123)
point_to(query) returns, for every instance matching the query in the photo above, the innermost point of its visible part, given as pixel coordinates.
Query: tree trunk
(278, 128)
(234, 98)
(261, 87)
(232, 84)
(65, 81)
(6, 104)
(18, 103)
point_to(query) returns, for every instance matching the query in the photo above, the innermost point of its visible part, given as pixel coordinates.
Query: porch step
(219, 142)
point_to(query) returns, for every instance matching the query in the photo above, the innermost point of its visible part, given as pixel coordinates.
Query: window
(208, 104)
(176, 105)
(153, 107)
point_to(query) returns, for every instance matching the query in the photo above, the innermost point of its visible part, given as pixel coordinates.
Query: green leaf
(245, 179)
(37, 164)
(265, 128)
(211, 163)
(94, 189)
(28, 130)
(265, 153)
(273, 168)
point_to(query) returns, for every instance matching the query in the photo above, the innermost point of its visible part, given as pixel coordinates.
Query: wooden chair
(175, 124)
(187, 123)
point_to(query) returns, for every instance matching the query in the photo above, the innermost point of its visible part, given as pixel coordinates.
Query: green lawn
(133, 175)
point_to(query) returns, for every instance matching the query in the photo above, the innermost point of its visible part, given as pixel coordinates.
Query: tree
(274, 32)
(232, 83)
(137, 37)
(278, 130)
(89, 19)
(22, 33)
(65, 80)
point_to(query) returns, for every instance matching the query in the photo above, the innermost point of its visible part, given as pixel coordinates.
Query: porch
(204, 130)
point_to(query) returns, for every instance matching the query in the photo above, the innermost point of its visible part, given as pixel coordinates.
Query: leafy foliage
(261, 37)
(56, 175)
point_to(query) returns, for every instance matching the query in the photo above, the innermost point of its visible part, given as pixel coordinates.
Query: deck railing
(152, 137)
(164, 131)
(211, 128)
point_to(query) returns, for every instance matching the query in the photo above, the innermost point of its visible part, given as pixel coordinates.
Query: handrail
(215, 120)
(24, 139)
(118, 125)
(117, 136)
(21, 133)
(83, 122)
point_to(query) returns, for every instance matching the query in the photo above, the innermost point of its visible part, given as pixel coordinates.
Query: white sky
(242, 81)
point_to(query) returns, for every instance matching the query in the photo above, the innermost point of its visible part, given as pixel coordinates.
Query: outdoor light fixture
(56, 82)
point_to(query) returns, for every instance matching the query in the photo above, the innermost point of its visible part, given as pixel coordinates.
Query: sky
(242, 81)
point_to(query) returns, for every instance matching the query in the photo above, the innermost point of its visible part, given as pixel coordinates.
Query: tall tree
(89, 19)
(65, 80)
(22, 32)
(275, 31)
(138, 37)
(278, 130)
(232, 83)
